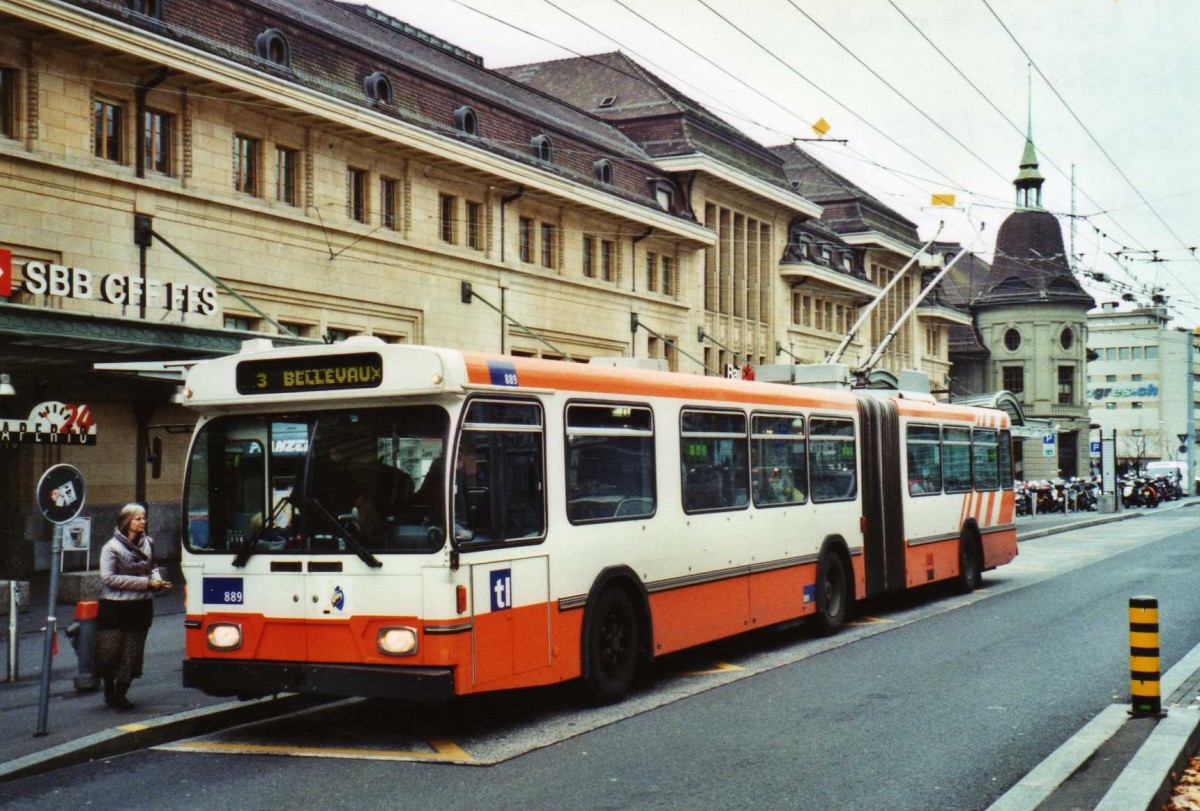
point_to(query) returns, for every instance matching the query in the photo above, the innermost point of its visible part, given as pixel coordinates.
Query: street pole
(13, 648)
(51, 630)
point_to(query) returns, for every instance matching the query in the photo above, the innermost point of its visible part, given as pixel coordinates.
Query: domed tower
(1032, 317)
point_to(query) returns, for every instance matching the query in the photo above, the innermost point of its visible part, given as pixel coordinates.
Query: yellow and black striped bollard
(1144, 688)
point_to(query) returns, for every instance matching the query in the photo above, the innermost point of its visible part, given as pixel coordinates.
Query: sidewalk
(1139, 757)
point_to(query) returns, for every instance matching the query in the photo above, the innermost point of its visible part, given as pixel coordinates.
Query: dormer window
(465, 120)
(826, 255)
(272, 46)
(378, 87)
(148, 8)
(607, 101)
(604, 171)
(847, 261)
(664, 195)
(542, 148)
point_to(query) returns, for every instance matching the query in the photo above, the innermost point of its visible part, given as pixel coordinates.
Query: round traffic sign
(61, 493)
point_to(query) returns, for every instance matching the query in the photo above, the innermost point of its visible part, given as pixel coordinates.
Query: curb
(1106, 518)
(1147, 781)
(138, 735)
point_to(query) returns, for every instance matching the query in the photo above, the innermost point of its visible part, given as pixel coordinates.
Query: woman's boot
(119, 699)
(110, 695)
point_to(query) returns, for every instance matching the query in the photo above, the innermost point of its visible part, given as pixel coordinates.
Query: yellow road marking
(870, 621)
(133, 727)
(443, 750)
(719, 667)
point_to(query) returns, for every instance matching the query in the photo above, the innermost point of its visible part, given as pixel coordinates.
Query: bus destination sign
(363, 370)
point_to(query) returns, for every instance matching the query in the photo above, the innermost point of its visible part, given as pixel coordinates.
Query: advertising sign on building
(51, 423)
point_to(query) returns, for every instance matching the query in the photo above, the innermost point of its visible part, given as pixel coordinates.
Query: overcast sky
(1125, 71)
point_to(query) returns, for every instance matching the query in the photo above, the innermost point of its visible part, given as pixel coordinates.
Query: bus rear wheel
(612, 647)
(969, 575)
(833, 595)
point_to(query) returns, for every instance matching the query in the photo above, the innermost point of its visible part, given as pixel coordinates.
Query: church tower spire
(1029, 180)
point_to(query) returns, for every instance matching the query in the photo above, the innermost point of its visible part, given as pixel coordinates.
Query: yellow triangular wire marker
(942, 200)
(821, 127)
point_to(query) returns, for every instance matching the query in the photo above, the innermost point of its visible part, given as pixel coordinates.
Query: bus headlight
(224, 636)
(397, 641)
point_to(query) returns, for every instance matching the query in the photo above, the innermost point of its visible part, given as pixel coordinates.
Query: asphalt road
(937, 702)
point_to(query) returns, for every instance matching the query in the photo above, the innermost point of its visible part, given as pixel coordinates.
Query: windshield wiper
(351, 540)
(248, 546)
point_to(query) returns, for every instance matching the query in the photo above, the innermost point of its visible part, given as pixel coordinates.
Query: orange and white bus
(384, 520)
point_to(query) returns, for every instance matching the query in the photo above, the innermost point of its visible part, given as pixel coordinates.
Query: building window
(286, 165)
(1138, 353)
(356, 194)
(607, 255)
(245, 164)
(663, 196)
(241, 322)
(1135, 405)
(547, 245)
(465, 121)
(651, 272)
(475, 225)
(1110, 354)
(1066, 385)
(1110, 378)
(106, 127)
(604, 171)
(1012, 340)
(158, 129)
(1111, 406)
(1135, 378)
(389, 202)
(1067, 338)
(1152, 353)
(148, 8)
(1014, 379)
(8, 103)
(446, 208)
(525, 239)
(589, 256)
(668, 276)
(933, 339)
(272, 46)
(542, 148)
(1123, 353)
(378, 87)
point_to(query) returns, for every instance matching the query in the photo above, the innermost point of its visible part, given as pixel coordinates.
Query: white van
(1176, 469)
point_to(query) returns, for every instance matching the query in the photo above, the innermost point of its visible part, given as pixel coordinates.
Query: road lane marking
(870, 621)
(718, 667)
(443, 750)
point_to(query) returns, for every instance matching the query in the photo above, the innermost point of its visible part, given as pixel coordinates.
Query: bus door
(499, 505)
(883, 542)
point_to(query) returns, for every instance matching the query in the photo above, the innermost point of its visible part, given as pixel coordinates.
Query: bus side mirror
(154, 457)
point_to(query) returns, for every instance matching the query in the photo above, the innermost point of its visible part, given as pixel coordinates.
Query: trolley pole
(1144, 687)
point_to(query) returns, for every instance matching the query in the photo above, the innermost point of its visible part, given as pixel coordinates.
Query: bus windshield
(366, 480)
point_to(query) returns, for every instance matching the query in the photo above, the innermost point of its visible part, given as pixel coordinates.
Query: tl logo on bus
(501, 583)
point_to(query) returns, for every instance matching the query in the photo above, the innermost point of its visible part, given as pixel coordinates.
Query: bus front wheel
(833, 596)
(612, 647)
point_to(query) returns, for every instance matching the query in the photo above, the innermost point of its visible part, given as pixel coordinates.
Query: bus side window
(832, 459)
(499, 473)
(956, 459)
(778, 462)
(713, 450)
(984, 459)
(610, 462)
(1005, 460)
(924, 449)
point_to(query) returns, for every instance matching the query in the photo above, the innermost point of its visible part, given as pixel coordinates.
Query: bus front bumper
(226, 677)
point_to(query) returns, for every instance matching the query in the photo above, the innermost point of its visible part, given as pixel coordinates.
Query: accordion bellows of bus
(386, 520)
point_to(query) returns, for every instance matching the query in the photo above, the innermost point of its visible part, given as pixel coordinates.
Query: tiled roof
(848, 209)
(333, 46)
(664, 121)
(1031, 265)
(966, 280)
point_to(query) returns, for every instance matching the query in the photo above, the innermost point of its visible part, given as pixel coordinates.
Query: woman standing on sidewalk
(130, 578)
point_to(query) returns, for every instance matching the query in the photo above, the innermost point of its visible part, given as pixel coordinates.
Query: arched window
(604, 171)
(542, 148)
(378, 87)
(465, 120)
(1012, 340)
(272, 46)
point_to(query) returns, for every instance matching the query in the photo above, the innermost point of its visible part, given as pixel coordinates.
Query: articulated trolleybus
(385, 520)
